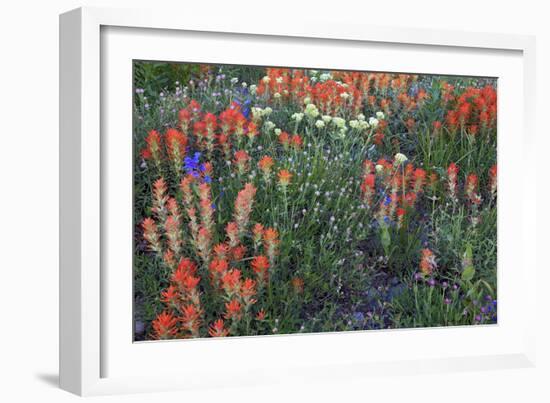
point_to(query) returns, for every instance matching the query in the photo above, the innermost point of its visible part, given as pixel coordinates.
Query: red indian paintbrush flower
(238, 252)
(233, 310)
(419, 179)
(285, 178)
(186, 282)
(164, 326)
(257, 234)
(271, 242)
(427, 262)
(170, 296)
(368, 189)
(232, 231)
(231, 282)
(169, 259)
(191, 319)
(265, 164)
(243, 207)
(151, 235)
(296, 142)
(298, 285)
(204, 243)
(173, 234)
(222, 250)
(284, 139)
(471, 189)
(241, 161)
(186, 190)
(160, 199)
(248, 290)
(218, 269)
(176, 142)
(260, 316)
(217, 329)
(154, 147)
(452, 176)
(252, 130)
(260, 266)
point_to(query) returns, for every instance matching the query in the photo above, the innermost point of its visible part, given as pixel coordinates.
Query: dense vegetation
(288, 200)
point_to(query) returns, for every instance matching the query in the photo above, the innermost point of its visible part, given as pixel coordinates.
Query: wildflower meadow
(287, 200)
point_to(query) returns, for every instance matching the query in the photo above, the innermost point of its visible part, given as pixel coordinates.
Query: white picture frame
(89, 338)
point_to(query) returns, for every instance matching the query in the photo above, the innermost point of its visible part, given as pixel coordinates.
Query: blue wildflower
(387, 200)
(245, 107)
(207, 179)
(386, 219)
(359, 316)
(191, 164)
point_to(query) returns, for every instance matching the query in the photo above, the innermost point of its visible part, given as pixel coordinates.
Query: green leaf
(385, 238)
(468, 270)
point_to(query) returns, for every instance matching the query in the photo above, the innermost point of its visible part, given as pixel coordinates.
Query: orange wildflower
(284, 178)
(260, 316)
(298, 285)
(217, 329)
(296, 142)
(164, 326)
(427, 262)
(233, 310)
(260, 266)
(241, 161)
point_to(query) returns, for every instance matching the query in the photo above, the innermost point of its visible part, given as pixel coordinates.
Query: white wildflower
(319, 124)
(339, 122)
(400, 158)
(325, 76)
(311, 111)
(380, 115)
(298, 116)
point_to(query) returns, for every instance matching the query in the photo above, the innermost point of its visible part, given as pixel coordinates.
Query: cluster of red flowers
(294, 141)
(471, 185)
(172, 144)
(473, 109)
(184, 315)
(207, 131)
(287, 83)
(346, 91)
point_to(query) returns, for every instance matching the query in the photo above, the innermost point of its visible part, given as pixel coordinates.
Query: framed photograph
(313, 202)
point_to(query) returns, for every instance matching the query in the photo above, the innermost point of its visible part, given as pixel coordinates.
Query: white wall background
(29, 201)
